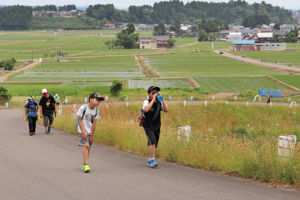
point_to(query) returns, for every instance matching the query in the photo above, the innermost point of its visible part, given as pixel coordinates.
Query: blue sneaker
(47, 132)
(152, 163)
(48, 129)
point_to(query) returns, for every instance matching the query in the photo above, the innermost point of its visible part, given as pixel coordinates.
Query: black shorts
(152, 136)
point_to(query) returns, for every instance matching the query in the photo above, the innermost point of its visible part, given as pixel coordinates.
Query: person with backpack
(152, 108)
(86, 122)
(268, 99)
(31, 110)
(47, 106)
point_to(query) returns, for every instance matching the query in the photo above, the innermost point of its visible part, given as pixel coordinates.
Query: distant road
(280, 68)
(43, 167)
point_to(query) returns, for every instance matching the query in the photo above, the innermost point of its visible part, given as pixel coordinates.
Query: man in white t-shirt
(87, 120)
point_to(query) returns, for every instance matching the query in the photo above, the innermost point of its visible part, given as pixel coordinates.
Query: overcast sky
(288, 4)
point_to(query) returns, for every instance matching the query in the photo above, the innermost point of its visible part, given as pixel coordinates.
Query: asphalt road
(48, 167)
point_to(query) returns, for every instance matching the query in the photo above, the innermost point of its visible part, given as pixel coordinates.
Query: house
(147, 43)
(234, 36)
(270, 46)
(264, 37)
(244, 45)
(287, 27)
(162, 40)
(109, 25)
(247, 33)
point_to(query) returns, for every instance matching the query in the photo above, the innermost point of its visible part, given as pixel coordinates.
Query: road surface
(48, 167)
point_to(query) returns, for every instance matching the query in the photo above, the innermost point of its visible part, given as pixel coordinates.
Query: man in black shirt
(47, 106)
(152, 108)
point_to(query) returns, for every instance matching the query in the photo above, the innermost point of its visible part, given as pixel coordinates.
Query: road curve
(48, 167)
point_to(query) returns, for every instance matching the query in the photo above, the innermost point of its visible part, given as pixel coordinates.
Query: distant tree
(171, 42)
(202, 35)
(160, 29)
(4, 95)
(116, 88)
(130, 28)
(277, 26)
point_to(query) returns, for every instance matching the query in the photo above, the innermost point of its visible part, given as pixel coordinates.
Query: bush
(249, 93)
(4, 96)
(116, 88)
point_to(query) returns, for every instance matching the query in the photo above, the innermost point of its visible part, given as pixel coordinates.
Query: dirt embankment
(146, 68)
(192, 82)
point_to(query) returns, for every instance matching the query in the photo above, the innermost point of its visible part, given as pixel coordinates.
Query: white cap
(44, 91)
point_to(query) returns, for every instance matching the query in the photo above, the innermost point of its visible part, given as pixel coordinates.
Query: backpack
(85, 107)
(29, 106)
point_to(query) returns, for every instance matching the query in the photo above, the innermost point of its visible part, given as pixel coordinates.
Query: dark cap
(96, 95)
(30, 98)
(153, 88)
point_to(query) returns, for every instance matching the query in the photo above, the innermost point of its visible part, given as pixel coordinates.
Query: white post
(270, 104)
(289, 99)
(179, 133)
(106, 98)
(205, 103)
(213, 98)
(85, 100)
(286, 145)
(127, 104)
(293, 102)
(66, 101)
(107, 105)
(6, 105)
(184, 103)
(170, 97)
(226, 102)
(187, 130)
(192, 98)
(235, 98)
(74, 106)
(247, 103)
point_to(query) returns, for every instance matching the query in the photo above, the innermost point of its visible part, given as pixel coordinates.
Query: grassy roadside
(256, 158)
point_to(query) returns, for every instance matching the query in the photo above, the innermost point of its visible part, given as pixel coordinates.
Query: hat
(44, 91)
(30, 98)
(96, 95)
(153, 88)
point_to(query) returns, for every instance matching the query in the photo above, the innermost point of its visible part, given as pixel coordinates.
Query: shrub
(116, 88)
(4, 94)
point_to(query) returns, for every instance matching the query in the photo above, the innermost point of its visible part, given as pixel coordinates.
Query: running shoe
(83, 166)
(47, 132)
(49, 129)
(87, 169)
(152, 163)
(30, 133)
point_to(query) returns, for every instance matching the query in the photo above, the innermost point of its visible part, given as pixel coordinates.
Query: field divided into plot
(237, 84)
(84, 69)
(293, 80)
(173, 83)
(202, 64)
(86, 84)
(284, 57)
(140, 83)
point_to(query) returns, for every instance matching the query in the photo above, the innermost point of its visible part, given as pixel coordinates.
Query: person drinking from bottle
(152, 108)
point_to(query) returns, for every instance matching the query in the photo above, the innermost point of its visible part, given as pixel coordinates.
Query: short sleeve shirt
(87, 119)
(31, 109)
(152, 118)
(47, 105)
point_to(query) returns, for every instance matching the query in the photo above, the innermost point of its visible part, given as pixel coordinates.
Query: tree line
(54, 8)
(15, 17)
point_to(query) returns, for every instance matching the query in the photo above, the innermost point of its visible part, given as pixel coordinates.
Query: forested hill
(169, 12)
(176, 11)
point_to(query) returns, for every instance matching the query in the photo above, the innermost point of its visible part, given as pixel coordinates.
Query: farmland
(173, 83)
(237, 84)
(293, 80)
(202, 64)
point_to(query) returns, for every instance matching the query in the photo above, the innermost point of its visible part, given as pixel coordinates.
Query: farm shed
(244, 45)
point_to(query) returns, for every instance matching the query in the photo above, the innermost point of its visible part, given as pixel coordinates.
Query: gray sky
(288, 4)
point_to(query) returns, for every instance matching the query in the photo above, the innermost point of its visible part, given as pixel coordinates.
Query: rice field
(140, 83)
(293, 80)
(86, 84)
(237, 84)
(173, 83)
(202, 64)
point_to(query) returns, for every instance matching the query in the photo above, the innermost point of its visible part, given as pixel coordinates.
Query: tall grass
(257, 159)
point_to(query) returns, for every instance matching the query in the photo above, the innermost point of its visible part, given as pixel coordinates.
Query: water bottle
(159, 97)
